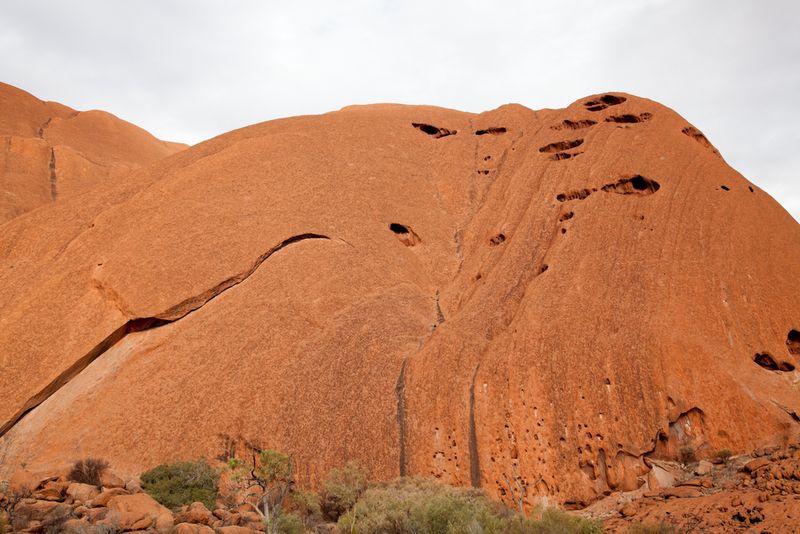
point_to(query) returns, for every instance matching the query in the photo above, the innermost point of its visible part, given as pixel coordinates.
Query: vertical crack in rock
(400, 392)
(474, 462)
(53, 181)
(146, 323)
(439, 314)
(43, 127)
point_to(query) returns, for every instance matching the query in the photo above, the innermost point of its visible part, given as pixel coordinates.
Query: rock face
(51, 151)
(534, 302)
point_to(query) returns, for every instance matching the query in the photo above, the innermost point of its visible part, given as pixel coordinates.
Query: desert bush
(88, 471)
(686, 455)
(652, 528)
(724, 455)
(553, 521)
(411, 505)
(342, 488)
(289, 523)
(306, 505)
(53, 523)
(181, 483)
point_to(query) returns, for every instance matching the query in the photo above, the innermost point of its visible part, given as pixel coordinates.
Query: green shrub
(289, 523)
(175, 485)
(412, 505)
(652, 528)
(724, 455)
(553, 521)
(306, 504)
(342, 488)
(88, 471)
(408, 505)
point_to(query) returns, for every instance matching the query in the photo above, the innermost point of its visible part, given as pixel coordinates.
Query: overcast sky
(189, 70)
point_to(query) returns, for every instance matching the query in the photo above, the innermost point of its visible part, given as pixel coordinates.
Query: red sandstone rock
(82, 492)
(190, 528)
(51, 151)
(139, 511)
(544, 296)
(195, 513)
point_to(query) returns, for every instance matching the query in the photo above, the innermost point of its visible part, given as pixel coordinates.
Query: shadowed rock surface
(535, 302)
(51, 151)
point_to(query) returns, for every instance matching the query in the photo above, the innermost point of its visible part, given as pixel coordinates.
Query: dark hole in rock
(630, 118)
(765, 360)
(487, 158)
(603, 102)
(492, 131)
(405, 234)
(433, 130)
(573, 125)
(574, 195)
(398, 228)
(565, 217)
(725, 188)
(483, 172)
(750, 187)
(496, 240)
(634, 185)
(793, 342)
(560, 146)
(563, 155)
(698, 136)
(563, 230)
(544, 268)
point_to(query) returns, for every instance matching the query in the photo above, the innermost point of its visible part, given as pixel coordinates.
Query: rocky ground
(759, 492)
(56, 505)
(750, 493)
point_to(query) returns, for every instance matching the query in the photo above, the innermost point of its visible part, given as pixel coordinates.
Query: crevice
(629, 185)
(433, 131)
(53, 178)
(603, 102)
(561, 146)
(698, 136)
(439, 314)
(43, 127)
(492, 131)
(630, 118)
(399, 392)
(405, 234)
(791, 413)
(793, 342)
(564, 155)
(633, 185)
(474, 462)
(767, 361)
(573, 125)
(496, 240)
(141, 324)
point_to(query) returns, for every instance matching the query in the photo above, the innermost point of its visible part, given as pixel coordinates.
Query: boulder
(195, 513)
(191, 528)
(106, 495)
(82, 493)
(135, 509)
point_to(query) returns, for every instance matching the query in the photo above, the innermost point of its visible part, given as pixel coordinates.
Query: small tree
(88, 471)
(342, 488)
(724, 455)
(263, 482)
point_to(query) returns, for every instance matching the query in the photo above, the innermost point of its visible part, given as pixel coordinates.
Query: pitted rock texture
(473, 297)
(51, 151)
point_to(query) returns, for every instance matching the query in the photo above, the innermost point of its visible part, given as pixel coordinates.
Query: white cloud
(188, 70)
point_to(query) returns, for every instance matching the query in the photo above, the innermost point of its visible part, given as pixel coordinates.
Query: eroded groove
(561, 146)
(138, 325)
(53, 178)
(432, 130)
(189, 305)
(574, 125)
(492, 131)
(400, 392)
(474, 462)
